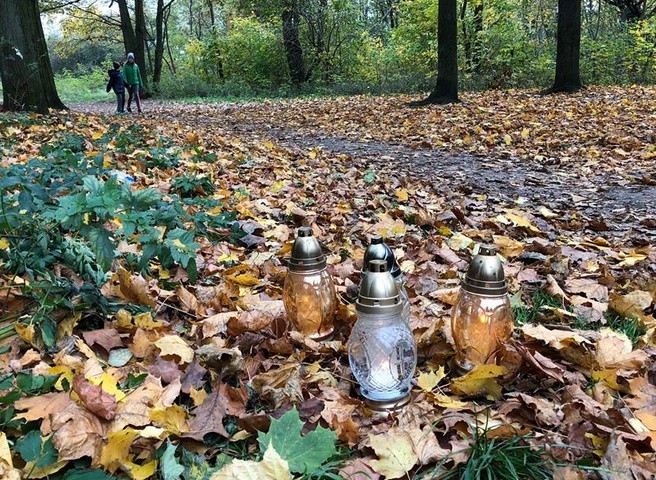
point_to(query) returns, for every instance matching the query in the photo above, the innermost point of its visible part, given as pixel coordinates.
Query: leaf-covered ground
(151, 373)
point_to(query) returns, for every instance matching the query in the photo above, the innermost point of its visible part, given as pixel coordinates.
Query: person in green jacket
(133, 81)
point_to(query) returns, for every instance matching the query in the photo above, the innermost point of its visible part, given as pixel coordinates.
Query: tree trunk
(446, 87)
(568, 47)
(129, 38)
(25, 70)
(134, 37)
(159, 44)
(140, 45)
(290, 36)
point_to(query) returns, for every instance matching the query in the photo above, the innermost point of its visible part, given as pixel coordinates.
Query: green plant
(501, 459)
(631, 327)
(193, 185)
(527, 314)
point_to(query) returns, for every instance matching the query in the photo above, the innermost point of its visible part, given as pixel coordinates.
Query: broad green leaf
(102, 246)
(29, 446)
(170, 468)
(85, 474)
(48, 331)
(48, 454)
(305, 454)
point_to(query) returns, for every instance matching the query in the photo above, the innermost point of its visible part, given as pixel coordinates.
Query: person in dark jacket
(117, 83)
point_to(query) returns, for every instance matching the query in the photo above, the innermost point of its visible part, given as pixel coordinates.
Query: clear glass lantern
(309, 293)
(379, 250)
(482, 319)
(382, 351)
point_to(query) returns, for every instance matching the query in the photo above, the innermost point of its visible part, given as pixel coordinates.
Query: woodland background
(236, 47)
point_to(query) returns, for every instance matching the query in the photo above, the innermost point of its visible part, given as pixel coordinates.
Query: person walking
(117, 83)
(133, 81)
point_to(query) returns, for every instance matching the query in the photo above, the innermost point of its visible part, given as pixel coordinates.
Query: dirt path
(612, 204)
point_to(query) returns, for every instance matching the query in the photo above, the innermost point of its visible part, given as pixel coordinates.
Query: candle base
(323, 336)
(383, 406)
(461, 367)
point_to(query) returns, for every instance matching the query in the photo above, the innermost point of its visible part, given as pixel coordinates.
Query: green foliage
(193, 185)
(631, 327)
(83, 84)
(32, 448)
(304, 453)
(529, 313)
(169, 467)
(80, 212)
(501, 458)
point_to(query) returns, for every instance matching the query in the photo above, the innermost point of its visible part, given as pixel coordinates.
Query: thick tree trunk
(159, 44)
(25, 70)
(134, 37)
(140, 45)
(446, 87)
(568, 47)
(290, 36)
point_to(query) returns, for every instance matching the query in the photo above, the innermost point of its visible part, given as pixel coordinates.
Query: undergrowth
(81, 206)
(541, 301)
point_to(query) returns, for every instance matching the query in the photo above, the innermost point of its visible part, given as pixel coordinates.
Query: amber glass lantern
(482, 320)
(381, 349)
(379, 250)
(309, 292)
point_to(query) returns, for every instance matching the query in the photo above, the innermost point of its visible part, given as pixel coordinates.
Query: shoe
(140, 111)
(129, 110)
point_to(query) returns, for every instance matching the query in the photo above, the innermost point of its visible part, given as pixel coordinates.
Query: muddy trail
(609, 203)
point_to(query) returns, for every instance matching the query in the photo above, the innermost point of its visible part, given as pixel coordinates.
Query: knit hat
(130, 56)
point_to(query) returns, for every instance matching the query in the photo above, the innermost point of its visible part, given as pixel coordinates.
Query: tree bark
(159, 44)
(292, 42)
(134, 37)
(140, 45)
(568, 47)
(446, 87)
(27, 79)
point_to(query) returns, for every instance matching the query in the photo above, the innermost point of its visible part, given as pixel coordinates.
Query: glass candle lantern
(381, 348)
(379, 250)
(309, 293)
(482, 319)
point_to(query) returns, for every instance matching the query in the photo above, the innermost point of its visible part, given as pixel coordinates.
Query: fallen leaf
(482, 380)
(272, 467)
(395, 451)
(95, 398)
(175, 346)
(208, 418)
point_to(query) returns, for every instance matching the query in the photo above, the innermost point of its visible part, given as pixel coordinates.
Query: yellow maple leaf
(173, 419)
(480, 381)
(5, 453)
(272, 467)
(402, 195)
(445, 401)
(173, 345)
(139, 472)
(428, 381)
(198, 396)
(4, 244)
(25, 332)
(396, 454)
(117, 448)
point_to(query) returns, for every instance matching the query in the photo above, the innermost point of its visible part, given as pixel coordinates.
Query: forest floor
(564, 186)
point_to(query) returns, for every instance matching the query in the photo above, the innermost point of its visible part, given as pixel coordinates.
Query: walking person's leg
(129, 87)
(137, 97)
(119, 103)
